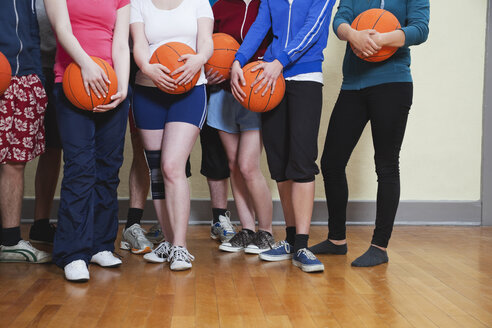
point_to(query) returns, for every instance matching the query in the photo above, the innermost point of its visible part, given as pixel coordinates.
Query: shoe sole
(127, 247)
(180, 268)
(230, 249)
(34, 241)
(274, 258)
(24, 261)
(255, 250)
(78, 280)
(309, 268)
(155, 261)
(106, 266)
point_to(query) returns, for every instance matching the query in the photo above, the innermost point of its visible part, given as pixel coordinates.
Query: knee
(172, 170)
(248, 170)
(332, 171)
(233, 166)
(387, 170)
(11, 168)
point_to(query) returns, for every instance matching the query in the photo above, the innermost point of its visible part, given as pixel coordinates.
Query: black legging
(386, 106)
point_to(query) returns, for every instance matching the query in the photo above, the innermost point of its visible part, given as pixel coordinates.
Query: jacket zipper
(288, 22)
(245, 15)
(17, 33)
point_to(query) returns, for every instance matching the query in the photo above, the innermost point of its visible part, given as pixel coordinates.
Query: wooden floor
(436, 277)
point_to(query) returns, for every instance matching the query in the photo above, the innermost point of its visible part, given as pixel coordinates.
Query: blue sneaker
(306, 260)
(280, 251)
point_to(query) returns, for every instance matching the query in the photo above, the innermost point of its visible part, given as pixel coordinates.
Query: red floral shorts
(22, 109)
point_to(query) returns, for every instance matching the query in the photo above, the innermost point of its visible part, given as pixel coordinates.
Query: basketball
(225, 48)
(73, 86)
(254, 101)
(382, 21)
(5, 73)
(168, 55)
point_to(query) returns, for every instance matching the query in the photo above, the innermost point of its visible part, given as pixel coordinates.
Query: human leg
(347, 121)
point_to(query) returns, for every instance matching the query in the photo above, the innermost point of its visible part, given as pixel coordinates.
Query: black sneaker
(42, 233)
(238, 242)
(262, 241)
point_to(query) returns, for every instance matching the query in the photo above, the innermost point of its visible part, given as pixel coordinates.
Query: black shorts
(290, 132)
(52, 136)
(215, 164)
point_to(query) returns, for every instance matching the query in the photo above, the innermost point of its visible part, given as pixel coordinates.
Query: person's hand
(237, 80)
(268, 78)
(378, 39)
(159, 74)
(193, 63)
(116, 99)
(94, 78)
(213, 77)
(363, 43)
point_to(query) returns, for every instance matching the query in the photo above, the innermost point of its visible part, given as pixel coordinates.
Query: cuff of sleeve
(283, 58)
(241, 59)
(410, 35)
(336, 24)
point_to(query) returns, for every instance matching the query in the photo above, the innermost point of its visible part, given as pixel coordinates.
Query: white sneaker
(134, 239)
(160, 254)
(180, 258)
(106, 259)
(76, 271)
(23, 252)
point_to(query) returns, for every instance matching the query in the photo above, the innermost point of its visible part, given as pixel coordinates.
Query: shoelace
(278, 244)
(306, 252)
(162, 249)
(228, 227)
(181, 254)
(261, 239)
(139, 233)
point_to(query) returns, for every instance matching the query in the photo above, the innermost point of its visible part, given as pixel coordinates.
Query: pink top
(93, 24)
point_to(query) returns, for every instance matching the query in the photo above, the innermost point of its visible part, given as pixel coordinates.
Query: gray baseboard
(358, 212)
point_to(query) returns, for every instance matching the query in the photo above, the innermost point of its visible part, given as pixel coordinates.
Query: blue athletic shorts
(153, 108)
(225, 113)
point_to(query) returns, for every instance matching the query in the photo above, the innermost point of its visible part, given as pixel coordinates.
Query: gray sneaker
(262, 241)
(133, 239)
(238, 242)
(223, 230)
(155, 234)
(23, 252)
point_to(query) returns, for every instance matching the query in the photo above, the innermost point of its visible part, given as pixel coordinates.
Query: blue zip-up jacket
(413, 16)
(300, 33)
(19, 37)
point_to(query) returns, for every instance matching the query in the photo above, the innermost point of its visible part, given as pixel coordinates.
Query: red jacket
(233, 17)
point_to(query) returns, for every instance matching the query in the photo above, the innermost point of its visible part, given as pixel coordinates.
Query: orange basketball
(168, 55)
(73, 86)
(5, 73)
(225, 48)
(382, 21)
(254, 101)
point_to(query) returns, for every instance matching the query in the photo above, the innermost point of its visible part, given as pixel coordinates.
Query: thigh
(389, 106)
(150, 107)
(347, 122)
(177, 142)
(190, 107)
(214, 159)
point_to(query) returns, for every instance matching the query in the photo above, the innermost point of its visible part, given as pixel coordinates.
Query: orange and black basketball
(382, 21)
(225, 48)
(73, 86)
(168, 55)
(5, 73)
(255, 101)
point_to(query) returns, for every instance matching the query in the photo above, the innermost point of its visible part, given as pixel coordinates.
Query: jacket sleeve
(345, 14)
(318, 18)
(256, 34)
(36, 47)
(417, 24)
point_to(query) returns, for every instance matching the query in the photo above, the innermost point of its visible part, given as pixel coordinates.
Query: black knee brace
(157, 181)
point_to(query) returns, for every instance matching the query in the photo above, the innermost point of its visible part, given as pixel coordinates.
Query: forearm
(393, 39)
(345, 32)
(204, 43)
(121, 62)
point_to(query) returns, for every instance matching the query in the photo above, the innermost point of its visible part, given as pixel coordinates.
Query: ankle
(381, 248)
(338, 242)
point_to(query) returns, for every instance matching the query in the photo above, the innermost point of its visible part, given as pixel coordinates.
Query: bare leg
(177, 143)
(139, 174)
(152, 140)
(218, 192)
(302, 201)
(285, 193)
(47, 173)
(11, 193)
(239, 189)
(249, 152)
